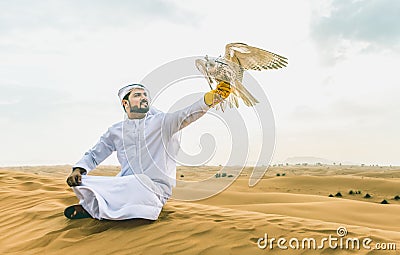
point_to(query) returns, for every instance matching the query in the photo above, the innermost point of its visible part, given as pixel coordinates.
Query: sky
(62, 63)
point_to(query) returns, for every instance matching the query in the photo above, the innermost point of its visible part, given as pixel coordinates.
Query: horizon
(277, 164)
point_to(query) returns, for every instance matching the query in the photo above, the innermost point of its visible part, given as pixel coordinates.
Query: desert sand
(293, 206)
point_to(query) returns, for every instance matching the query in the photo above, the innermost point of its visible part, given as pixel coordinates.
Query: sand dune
(292, 206)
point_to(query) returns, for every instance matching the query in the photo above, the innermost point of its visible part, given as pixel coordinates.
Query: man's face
(137, 102)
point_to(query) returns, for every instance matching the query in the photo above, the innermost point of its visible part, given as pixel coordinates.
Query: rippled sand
(292, 206)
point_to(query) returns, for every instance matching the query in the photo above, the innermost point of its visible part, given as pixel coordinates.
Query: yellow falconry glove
(218, 94)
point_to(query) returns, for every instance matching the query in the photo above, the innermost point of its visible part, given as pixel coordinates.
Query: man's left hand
(75, 178)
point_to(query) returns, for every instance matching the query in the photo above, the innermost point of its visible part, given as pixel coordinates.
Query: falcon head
(207, 66)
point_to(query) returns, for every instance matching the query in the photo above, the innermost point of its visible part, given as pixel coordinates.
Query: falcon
(229, 68)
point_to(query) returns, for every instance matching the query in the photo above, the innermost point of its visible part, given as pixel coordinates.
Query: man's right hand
(220, 93)
(75, 178)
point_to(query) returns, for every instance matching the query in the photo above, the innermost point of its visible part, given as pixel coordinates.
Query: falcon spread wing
(249, 57)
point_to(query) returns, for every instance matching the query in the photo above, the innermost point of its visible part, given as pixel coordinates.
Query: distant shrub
(182, 176)
(384, 201)
(352, 192)
(278, 174)
(330, 195)
(283, 174)
(397, 197)
(338, 194)
(223, 175)
(367, 196)
(229, 176)
(217, 175)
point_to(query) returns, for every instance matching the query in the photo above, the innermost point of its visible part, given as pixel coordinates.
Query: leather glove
(220, 93)
(75, 178)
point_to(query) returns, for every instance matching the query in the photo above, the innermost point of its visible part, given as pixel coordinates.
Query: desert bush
(338, 194)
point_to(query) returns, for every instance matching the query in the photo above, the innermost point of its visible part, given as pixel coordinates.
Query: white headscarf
(125, 90)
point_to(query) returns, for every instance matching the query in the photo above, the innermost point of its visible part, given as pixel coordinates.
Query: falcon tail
(244, 94)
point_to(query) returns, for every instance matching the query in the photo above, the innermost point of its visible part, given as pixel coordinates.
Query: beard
(142, 108)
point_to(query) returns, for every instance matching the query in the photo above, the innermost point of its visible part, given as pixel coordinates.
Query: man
(146, 147)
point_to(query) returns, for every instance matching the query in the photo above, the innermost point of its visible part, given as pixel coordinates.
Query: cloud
(345, 114)
(358, 25)
(60, 27)
(47, 125)
(21, 104)
(23, 15)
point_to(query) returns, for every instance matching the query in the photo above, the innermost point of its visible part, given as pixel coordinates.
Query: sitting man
(146, 147)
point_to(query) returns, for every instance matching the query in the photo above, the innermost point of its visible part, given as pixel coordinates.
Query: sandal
(74, 212)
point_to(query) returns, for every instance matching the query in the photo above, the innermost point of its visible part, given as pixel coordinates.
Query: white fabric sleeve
(175, 121)
(93, 157)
